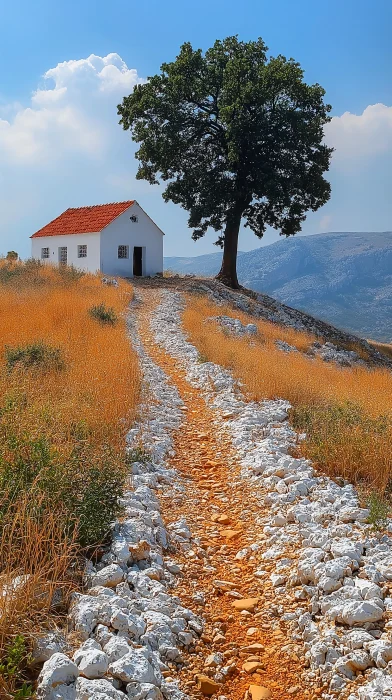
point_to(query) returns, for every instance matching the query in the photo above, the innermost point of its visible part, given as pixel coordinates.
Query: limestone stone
(245, 604)
(206, 685)
(87, 689)
(58, 670)
(134, 666)
(252, 666)
(259, 692)
(109, 576)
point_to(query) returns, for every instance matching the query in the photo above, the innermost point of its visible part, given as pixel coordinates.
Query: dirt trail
(207, 462)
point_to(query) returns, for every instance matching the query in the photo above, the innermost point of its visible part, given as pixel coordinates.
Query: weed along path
(245, 650)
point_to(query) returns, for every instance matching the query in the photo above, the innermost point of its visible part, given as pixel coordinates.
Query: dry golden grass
(347, 413)
(384, 348)
(60, 432)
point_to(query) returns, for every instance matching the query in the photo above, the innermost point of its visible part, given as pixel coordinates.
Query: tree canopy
(237, 136)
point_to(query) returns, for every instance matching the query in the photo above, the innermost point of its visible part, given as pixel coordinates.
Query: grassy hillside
(69, 387)
(346, 412)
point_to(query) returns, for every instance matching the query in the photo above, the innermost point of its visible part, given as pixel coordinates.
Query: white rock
(357, 638)
(102, 634)
(278, 580)
(58, 670)
(109, 576)
(317, 654)
(347, 515)
(92, 662)
(97, 690)
(380, 651)
(355, 612)
(46, 646)
(347, 548)
(278, 520)
(116, 648)
(171, 691)
(134, 666)
(143, 691)
(84, 615)
(337, 683)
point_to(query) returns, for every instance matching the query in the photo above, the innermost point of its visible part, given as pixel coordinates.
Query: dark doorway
(137, 261)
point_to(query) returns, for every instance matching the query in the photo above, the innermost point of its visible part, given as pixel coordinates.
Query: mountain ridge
(344, 278)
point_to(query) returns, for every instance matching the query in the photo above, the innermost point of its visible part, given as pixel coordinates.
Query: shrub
(378, 511)
(344, 440)
(98, 504)
(103, 314)
(36, 355)
(138, 454)
(11, 666)
(69, 273)
(12, 256)
(84, 487)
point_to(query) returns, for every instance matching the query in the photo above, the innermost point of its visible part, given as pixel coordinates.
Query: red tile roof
(84, 219)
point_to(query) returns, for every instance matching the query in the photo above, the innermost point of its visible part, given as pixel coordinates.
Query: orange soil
(208, 464)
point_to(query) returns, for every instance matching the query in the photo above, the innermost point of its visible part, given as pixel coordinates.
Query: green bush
(103, 314)
(39, 356)
(83, 487)
(96, 502)
(14, 657)
(12, 664)
(378, 511)
(346, 441)
(138, 454)
(69, 273)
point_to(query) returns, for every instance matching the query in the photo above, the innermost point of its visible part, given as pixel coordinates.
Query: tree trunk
(228, 271)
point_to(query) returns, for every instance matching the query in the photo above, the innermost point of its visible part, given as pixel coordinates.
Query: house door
(63, 255)
(137, 261)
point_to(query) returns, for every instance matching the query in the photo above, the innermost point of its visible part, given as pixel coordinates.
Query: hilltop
(342, 278)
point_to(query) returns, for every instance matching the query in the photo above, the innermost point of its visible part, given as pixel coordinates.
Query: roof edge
(91, 206)
(149, 217)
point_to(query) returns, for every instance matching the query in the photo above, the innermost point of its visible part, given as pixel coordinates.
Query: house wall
(122, 231)
(92, 240)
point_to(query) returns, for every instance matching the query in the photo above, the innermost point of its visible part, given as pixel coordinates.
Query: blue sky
(60, 144)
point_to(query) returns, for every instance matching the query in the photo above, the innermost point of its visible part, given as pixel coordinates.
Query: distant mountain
(343, 278)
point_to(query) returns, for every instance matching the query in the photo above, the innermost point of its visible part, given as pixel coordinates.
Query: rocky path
(245, 644)
(325, 575)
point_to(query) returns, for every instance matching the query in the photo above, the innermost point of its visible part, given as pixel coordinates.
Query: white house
(116, 239)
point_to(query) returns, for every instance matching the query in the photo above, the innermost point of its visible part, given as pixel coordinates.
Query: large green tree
(237, 136)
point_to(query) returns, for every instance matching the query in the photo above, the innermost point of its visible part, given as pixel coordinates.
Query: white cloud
(65, 147)
(73, 111)
(359, 137)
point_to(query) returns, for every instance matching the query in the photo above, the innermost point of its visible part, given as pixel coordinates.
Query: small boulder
(206, 685)
(134, 666)
(143, 691)
(248, 604)
(116, 648)
(92, 662)
(259, 692)
(108, 577)
(58, 670)
(44, 647)
(100, 689)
